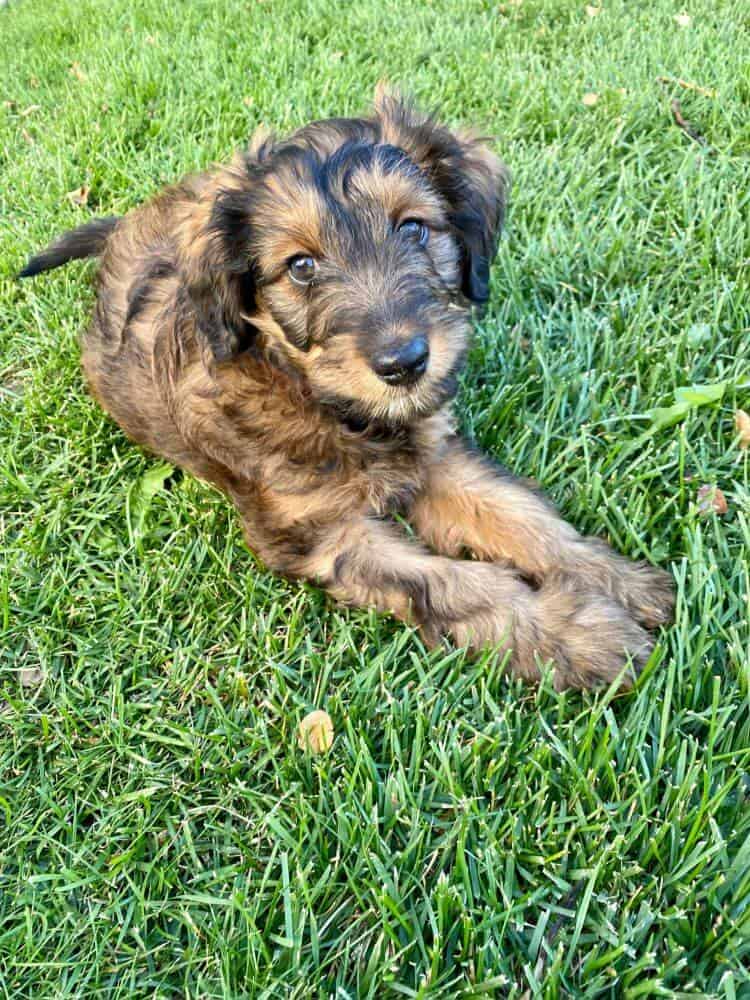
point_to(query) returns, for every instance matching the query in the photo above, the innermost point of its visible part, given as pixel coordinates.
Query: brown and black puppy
(291, 328)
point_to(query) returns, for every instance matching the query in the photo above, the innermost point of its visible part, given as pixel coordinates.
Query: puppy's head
(354, 251)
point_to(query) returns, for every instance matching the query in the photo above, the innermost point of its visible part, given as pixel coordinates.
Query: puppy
(291, 328)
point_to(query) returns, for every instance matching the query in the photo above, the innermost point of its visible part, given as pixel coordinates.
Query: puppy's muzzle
(403, 364)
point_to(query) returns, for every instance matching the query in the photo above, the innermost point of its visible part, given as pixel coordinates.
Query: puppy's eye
(415, 230)
(302, 269)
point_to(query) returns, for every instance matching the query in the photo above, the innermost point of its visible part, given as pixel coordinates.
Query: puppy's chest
(391, 485)
(381, 479)
(309, 464)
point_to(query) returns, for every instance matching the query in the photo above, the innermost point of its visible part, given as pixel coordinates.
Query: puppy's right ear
(468, 175)
(215, 254)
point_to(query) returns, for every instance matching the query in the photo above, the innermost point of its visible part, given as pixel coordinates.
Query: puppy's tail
(87, 240)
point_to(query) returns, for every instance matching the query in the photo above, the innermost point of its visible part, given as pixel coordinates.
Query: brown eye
(415, 230)
(302, 269)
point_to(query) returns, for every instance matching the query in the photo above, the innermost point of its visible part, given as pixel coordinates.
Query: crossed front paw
(590, 639)
(645, 591)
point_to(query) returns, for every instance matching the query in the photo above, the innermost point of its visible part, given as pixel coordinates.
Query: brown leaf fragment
(711, 500)
(30, 677)
(79, 196)
(77, 72)
(315, 732)
(742, 426)
(589, 99)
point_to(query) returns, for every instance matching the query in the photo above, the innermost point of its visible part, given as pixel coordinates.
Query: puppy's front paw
(647, 592)
(589, 638)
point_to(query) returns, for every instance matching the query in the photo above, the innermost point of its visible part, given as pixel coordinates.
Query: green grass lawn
(161, 834)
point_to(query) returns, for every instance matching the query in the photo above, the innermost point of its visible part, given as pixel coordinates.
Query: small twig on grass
(685, 125)
(567, 902)
(671, 81)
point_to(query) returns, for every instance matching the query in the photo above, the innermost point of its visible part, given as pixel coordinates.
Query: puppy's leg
(367, 562)
(468, 504)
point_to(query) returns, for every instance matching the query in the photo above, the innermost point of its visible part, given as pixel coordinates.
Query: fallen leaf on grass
(315, 732)
(686, 399)
(142, 493)
(79, 196)
(742, 426)
(700, 395)
(589, 99)
(30, 677)
(11, 386)
(711, 499)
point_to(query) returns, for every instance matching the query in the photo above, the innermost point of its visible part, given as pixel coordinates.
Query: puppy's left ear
(218, 274)
(215, 252)
(471, 178)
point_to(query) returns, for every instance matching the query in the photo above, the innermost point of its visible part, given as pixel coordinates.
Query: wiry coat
(206, 350)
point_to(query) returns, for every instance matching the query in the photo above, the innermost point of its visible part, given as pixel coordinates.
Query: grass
(160, 832)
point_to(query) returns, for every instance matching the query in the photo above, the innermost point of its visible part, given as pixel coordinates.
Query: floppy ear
(472, 180)
(217, 274)
(215, 257)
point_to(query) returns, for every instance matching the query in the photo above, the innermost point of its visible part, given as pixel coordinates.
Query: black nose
(403, 363)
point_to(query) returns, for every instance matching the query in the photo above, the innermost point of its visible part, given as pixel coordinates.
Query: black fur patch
(87, 240)
(230, 226)
(140, 291)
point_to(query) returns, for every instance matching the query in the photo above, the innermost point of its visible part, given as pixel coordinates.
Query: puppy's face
(358, 275)
(355, 250)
